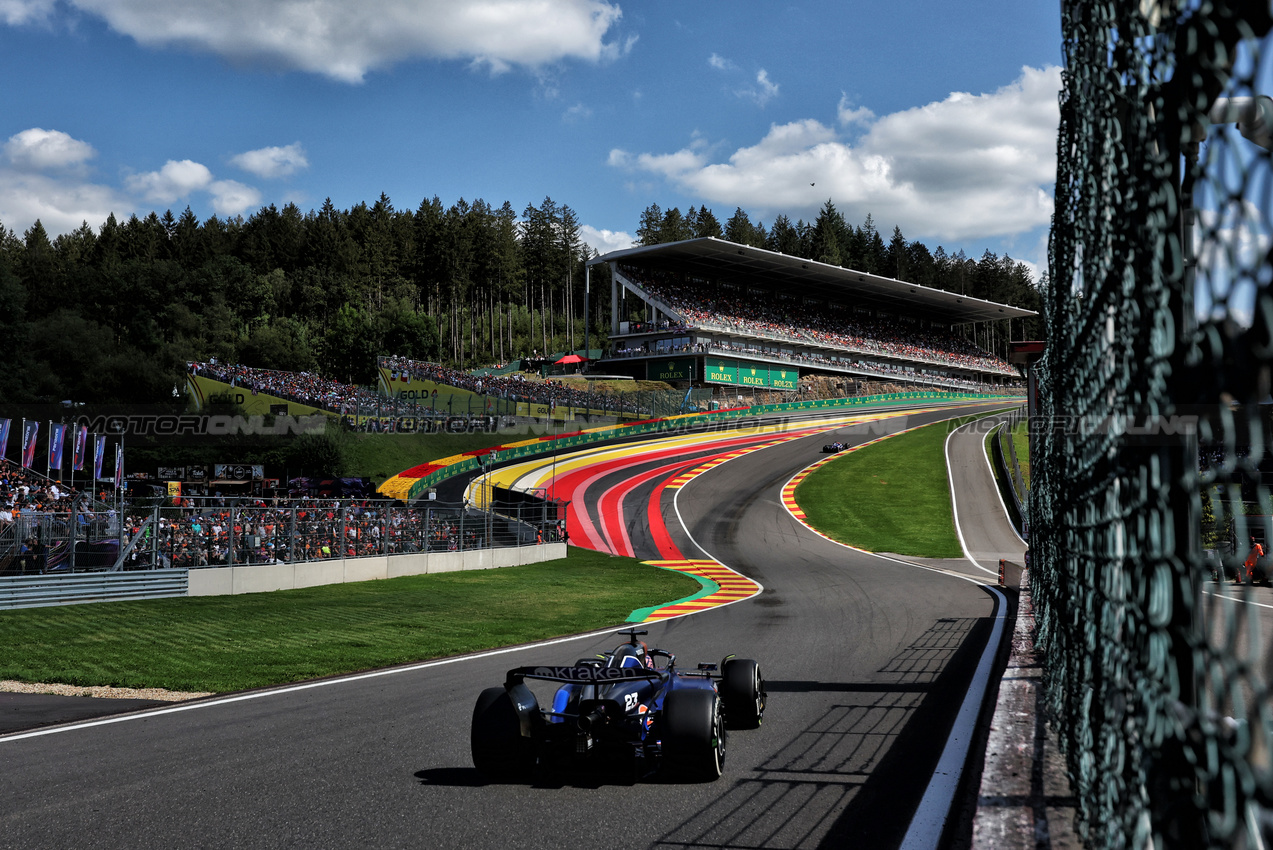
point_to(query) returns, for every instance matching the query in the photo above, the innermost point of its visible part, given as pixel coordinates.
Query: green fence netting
(1152, 429)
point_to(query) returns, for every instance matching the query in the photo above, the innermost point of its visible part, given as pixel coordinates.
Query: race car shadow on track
(452, 777)
(549, 778)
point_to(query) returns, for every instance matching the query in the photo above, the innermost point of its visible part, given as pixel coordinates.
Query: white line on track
(930, 816)
(929, 820)
(998, 490)
(214, 702)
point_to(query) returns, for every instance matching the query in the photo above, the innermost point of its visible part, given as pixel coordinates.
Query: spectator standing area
(716, 312)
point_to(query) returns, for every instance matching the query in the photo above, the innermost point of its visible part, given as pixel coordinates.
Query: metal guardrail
(46, 590)
(1014, 498)
(1009, 449)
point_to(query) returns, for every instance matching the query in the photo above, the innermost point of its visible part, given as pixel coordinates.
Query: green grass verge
(228, 643)
(379, 456)
(893, 496)
(1021, 443)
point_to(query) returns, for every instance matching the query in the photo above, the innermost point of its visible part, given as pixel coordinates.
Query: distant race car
(832, 448)
(631, 708)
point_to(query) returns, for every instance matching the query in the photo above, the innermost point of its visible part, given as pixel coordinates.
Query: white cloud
(969, 166)
(764, 91)
(43, 175)
(578, 112)
(848, 115)
(175, 180)
(613, 50)
(720, 63)
(40, 150)
(345, 39)
(19, 12)
(273, 162)
(61, 205)
(229, 197)
(605, 241)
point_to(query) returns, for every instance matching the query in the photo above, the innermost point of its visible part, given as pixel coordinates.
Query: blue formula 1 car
(631, 707)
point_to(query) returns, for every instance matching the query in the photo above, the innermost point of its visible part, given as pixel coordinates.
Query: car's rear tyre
(694, 734)
(743, 692)
(500, 751)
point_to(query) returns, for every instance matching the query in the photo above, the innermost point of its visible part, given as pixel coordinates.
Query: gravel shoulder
(99, 692)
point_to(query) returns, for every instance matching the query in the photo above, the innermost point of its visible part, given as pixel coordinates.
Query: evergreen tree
(705, 224)
(897, 259)
(784, 238)
(674, 227)
(825, 236)
(649, 231)
(740, 229)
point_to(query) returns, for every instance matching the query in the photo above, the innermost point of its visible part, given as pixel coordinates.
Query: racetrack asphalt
(866, 661)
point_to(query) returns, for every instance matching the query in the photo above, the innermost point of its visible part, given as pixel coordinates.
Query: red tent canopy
(572, 358)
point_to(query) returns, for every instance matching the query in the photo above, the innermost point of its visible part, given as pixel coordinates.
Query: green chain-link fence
(1154, 392)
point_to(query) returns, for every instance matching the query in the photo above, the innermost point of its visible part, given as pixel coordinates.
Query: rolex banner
(760, 376)
(784, 379)
(670, 370)
(721, 371)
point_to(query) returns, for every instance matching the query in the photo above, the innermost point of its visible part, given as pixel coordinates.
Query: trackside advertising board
(205, 391)
(740, 374)
(670, 370)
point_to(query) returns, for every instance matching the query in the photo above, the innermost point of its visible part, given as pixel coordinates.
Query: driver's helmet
(629, 655)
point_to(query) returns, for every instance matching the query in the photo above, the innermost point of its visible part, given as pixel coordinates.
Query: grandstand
(716, 312)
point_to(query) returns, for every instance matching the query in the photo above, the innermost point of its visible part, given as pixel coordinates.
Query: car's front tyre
(743, 691)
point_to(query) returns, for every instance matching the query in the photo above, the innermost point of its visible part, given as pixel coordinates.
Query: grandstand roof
(715, 258)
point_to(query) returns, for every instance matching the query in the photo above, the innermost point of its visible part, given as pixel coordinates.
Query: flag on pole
(4, 437)
(99, 455)
(119, 466)
(30, 430)
(81, 446)
(57, 439)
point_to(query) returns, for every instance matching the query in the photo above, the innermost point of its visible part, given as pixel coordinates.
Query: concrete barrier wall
(261, 578)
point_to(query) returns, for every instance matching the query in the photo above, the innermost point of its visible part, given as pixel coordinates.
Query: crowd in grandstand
(302, 387)
(33, 506)
(856, 365)
(350, 399)
(825, 325)
(514, 387)
(297, 530)
(23, 491)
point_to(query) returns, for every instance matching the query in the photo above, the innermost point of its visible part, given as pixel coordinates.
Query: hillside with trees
(113, 314)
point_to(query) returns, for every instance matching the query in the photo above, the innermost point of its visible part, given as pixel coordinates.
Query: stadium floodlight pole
(587, 285)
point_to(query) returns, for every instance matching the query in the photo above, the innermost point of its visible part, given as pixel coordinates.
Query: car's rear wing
(589, 674)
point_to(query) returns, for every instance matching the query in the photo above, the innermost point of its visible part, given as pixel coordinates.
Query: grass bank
(893, 496)
(379, 456)
(228, 643)
(1021, 444)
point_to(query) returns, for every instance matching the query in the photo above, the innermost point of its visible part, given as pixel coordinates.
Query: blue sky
(937, 117)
